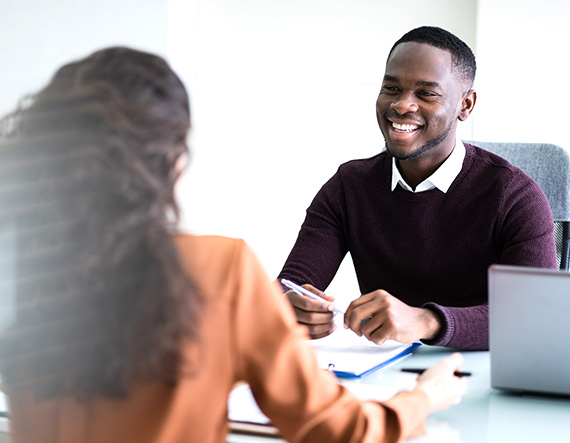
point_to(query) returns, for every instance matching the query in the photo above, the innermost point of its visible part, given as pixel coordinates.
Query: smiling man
(425, 218)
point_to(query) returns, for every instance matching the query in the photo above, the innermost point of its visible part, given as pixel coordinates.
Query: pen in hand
(421, 370)
(302, 291)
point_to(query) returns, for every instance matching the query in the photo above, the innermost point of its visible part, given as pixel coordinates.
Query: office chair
(549, 166)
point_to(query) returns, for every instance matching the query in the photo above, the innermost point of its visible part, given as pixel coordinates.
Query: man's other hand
(380, 316)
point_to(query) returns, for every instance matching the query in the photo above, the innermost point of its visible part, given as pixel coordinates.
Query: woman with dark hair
(125, 330)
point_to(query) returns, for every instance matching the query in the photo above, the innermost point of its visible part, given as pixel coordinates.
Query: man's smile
(404, 127)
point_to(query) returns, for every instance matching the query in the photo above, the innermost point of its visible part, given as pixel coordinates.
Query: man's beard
(424, 148)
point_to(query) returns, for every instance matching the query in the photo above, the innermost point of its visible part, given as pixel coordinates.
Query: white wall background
(524, 69)
(283, 91)
(39, 36)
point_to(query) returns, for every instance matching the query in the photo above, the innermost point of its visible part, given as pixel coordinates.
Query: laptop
(529, 329)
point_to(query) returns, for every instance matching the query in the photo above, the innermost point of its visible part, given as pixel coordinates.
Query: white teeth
(404, 128)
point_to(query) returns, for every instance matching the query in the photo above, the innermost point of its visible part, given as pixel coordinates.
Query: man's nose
(405, 103)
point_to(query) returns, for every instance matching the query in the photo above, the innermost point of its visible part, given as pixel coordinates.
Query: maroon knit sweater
(429, 249)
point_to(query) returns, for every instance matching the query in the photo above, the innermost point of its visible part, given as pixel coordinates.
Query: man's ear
(467, 105)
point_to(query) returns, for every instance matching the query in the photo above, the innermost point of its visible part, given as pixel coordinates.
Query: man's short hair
(462, 58)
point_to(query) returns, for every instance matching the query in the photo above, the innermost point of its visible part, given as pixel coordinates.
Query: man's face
(420, 102)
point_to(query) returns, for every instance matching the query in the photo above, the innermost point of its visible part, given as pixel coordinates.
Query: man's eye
(390, 88)
(427, 93)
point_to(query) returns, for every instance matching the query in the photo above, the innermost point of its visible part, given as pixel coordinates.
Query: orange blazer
(248, 333)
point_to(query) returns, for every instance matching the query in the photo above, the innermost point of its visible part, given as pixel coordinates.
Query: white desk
(485, 415)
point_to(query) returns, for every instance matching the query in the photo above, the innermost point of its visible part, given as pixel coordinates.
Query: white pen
(302, 291)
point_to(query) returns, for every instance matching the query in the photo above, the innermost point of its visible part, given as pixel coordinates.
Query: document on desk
(350, 356)
(3, 405)
(245, 416)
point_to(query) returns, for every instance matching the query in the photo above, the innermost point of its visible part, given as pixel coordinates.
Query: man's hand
(389, 318)
(316, 315)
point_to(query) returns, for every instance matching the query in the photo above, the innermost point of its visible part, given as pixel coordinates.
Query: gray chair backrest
(549, 166)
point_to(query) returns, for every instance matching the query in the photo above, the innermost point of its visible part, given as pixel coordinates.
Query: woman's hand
(441, 386)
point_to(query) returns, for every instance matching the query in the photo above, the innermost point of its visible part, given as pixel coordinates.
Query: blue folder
(381, 364)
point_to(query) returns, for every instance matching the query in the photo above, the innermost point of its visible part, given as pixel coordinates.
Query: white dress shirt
(441, 178)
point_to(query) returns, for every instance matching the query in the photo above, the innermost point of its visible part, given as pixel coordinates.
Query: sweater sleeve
(321, 243)
(304, 402)
(527, 227)
(524, 237)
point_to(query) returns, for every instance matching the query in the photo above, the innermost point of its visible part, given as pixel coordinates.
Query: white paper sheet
(344, 351)
(242, 407)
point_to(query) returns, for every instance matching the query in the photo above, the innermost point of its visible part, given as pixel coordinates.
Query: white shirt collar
(441, 179)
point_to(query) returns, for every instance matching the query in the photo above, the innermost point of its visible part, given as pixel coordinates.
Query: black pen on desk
(302, 291)
(421, 371)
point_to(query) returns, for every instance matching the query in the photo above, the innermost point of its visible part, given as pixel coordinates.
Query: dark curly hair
(98, 295)
(462, 57)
